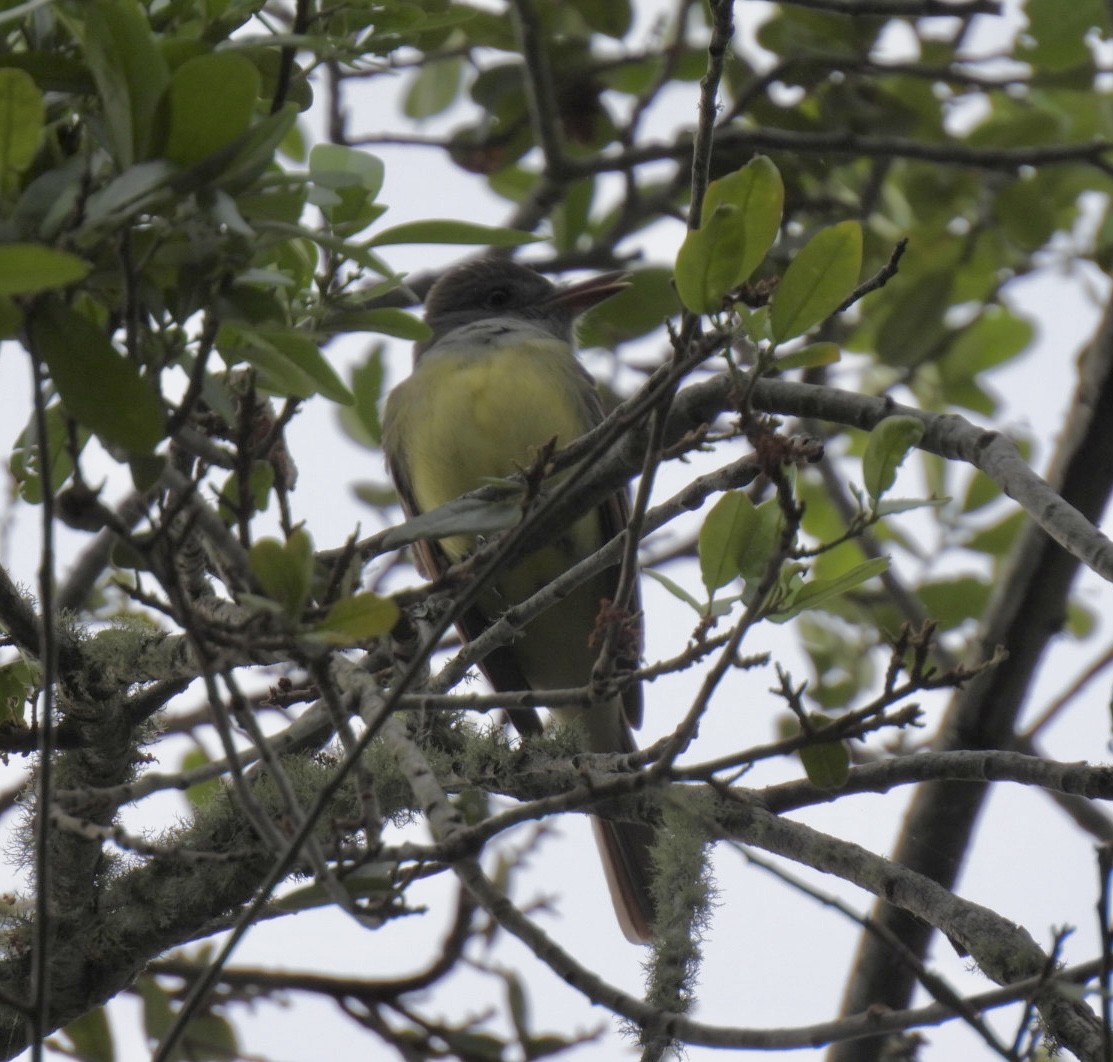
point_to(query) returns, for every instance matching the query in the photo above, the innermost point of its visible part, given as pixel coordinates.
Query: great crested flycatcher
(498, 379)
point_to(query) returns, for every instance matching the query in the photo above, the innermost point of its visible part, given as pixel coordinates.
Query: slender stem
(722, 30)
(38, 1014)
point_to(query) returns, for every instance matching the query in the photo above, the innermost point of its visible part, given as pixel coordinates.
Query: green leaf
(995, 337)
(26, 460)
(284, 570)
(951, 602)
(369, 881)
(90, 1037)
(814, 593)
(346, 183)
(292, 362)
(741, 218)
(998, 538)
(758, 192)
(1081, 621)
(450, 232)
(818, 280)
(130, 73)
(346, 249)
(635, 311)
(1056, 38)
(50, 69)
(303, 352)
(157, 1011)
(21, 123)
(28, 268)
(361, 419)
(208, 1037)
(234, 501)
(146, 470)
(98, 386)
(434, 88)
(357, 619)
(755, 551)
(731, 521)
(980, 491)
(896, 506)
(11, 317)
(201, 794)
(610, 17)
(516, 184)
(754, 323)
(572, 215)
(913, 327)
(140, 187)
(17, 680)
(827, 764)
(256, 150)
(211, 100)
(547, 1044)
(809, 357)
(387, 321)
(886, 448)
(705, 262)
(375, 495)
(517, 1002)
(478, 1047)
(675, 589)
(336, 166)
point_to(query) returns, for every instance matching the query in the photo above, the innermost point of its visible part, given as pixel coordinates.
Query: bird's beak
(582, 296)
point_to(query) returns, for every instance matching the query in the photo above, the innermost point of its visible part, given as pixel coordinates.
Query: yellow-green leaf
(200, 794)
(434, 87)
(887, 446)
(361, 419)
(758, 193)
(90, 1037)
(21, 122)
(740, 219)
(827, 763)
(817, 280)
(99, 387)
(358, 618)
(729, 524)
(814, 593)
(450, 232)
(810, 357)
(284, 570)
(130, 73)
(211, 100)
(17, 680)
(28, 268)
(292, 363)
(755, 549)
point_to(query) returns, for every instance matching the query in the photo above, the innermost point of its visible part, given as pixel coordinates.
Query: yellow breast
(471, 416)
(471, 412)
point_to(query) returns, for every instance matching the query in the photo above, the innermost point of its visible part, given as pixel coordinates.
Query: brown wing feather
(614, 516)
(499, 666)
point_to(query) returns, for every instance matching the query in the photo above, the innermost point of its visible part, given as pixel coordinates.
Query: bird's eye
(497, 298)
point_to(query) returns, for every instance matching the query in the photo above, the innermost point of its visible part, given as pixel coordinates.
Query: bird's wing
(614, 516)
(499, 665)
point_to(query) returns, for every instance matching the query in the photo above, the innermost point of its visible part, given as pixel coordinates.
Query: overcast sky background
(773, 958)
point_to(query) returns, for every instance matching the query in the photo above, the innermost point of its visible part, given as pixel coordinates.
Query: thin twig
(39, 1008)
(722, 30)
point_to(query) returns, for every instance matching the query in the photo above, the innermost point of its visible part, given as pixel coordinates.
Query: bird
(497, 379)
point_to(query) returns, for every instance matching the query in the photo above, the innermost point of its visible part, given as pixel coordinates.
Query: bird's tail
(625, 851)
(625, 847)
